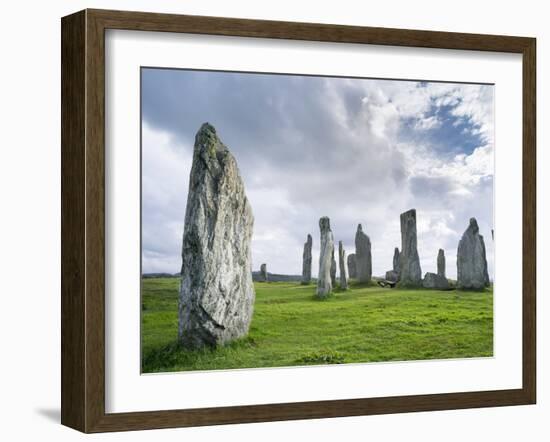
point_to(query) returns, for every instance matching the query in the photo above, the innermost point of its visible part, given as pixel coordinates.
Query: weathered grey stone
(324, 282)
(435, 281)
(342, 263)
(363, 258)
(441, 263)
(333, 270)
(410, 274)
(306, 260)
(471, 260)
(396, 260)
(392, 275)
(216, 298)
(263, 273)
(352, 272)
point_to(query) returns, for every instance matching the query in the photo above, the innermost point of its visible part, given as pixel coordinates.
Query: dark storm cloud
(296, 126)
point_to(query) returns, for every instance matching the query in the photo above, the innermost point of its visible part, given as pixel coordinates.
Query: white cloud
(427, 123)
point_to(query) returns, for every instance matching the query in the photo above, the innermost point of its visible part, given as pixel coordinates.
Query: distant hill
(160, 275)
(277, 278)
(255, 276)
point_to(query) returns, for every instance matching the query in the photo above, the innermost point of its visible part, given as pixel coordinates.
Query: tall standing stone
(471, 259)
(216, 298)
(441, 263)
(333, 270)
(396, 260)
(263, 273)
(342, 263)
(352, 272)
(306, 260)
(363, 259)
(410, 274)
(324, 283)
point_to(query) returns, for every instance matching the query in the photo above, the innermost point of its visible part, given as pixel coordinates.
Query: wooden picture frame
(83, 220)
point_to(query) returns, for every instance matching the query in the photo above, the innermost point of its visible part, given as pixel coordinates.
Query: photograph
(303, 220)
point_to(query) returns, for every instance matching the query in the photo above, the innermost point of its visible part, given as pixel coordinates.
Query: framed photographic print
(270, 220)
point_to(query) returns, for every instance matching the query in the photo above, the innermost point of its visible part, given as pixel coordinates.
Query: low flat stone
(435, 281)
(392, 275)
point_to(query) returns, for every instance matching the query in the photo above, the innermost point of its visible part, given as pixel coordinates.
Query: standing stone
(393, 274)
(396, 260)
(216, 298)
(352, 272)
(324, 283)
(437, 280)
(363, 259)
(441, 263)
(342, 263)
(471, 260)
(333, 269)
(306, 261)
(263, 273)
(410, 274)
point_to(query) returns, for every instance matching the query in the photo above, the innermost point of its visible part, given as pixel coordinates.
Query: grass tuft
(322, 357)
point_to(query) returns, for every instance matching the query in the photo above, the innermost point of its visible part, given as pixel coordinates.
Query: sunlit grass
(291, 327)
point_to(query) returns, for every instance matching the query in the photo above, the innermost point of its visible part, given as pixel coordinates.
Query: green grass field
(290, 327)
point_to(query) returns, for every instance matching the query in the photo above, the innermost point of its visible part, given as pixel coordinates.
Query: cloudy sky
(355, 150)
